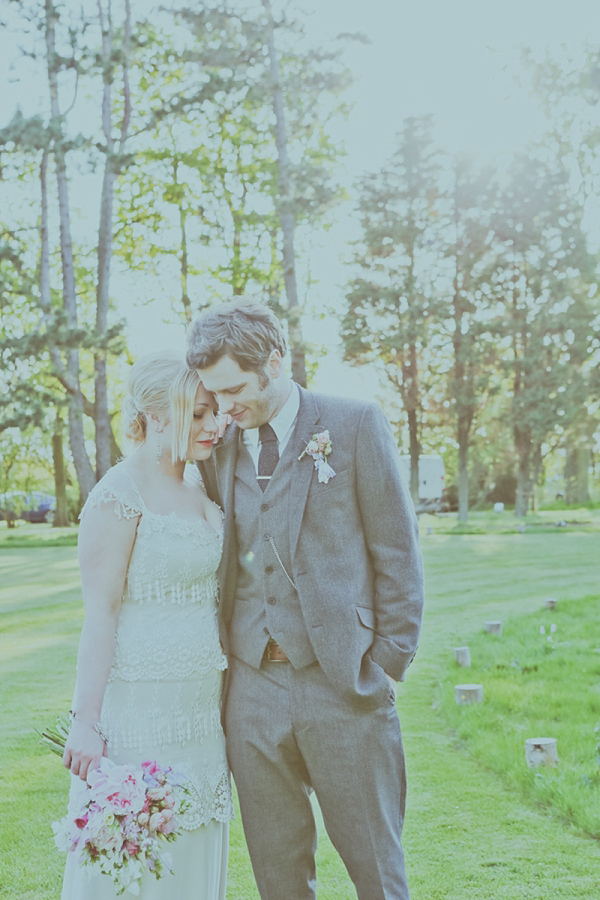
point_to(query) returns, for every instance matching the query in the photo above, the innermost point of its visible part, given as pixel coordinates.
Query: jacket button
(264, 506)
(269, 570)
(272, 601)
(266, 537)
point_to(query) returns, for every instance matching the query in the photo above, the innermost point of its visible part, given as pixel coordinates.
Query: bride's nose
(211, 425)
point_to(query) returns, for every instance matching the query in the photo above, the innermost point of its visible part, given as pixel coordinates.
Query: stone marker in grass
(551, 603)
(462, 656)
(494, 628)
(469, 693)
(541, 751)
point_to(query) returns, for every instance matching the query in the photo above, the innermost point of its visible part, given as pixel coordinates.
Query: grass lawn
(472, 832)
(541, 678)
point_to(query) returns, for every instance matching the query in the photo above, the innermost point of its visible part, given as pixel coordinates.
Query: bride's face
(204, 426)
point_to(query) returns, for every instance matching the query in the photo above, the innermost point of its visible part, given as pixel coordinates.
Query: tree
(392, 303)
(239, 151)
(550, 315)
(114, 53)
(468, 240)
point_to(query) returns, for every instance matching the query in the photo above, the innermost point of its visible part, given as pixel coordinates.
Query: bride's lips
(207, 443)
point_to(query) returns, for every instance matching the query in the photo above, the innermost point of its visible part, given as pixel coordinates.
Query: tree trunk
(183, 243)
(463, 472)
(524, 473)
(105, 237)
(101, 412)
(61, 515)
(576, 472)
(286, 209)
(83, 467)
(414, 450)
(410, 380)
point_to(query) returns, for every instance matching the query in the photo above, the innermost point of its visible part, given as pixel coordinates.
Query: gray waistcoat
(265, 601)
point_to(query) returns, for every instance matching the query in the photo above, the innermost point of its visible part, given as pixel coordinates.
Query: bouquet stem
(55, 737)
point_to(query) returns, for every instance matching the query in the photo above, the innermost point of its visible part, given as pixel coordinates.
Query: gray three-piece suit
(333, 572)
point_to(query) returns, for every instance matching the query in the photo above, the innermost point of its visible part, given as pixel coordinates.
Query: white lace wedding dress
(162, 700)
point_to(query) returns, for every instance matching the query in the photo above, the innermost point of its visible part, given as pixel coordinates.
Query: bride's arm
(105, 545)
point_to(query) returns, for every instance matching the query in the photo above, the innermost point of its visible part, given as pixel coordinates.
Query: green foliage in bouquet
(55, 737)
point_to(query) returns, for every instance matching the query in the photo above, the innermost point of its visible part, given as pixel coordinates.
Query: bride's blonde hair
(161, 384)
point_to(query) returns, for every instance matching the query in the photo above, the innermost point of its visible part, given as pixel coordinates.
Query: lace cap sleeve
(116, 489)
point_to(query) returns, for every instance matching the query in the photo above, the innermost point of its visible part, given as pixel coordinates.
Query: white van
(432, 480)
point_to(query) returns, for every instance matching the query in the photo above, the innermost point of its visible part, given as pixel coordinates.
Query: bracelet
(97, 726)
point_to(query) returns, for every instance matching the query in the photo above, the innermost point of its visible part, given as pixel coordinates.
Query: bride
(150, 664)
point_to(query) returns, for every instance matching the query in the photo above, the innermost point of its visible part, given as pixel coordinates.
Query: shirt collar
(282, 422)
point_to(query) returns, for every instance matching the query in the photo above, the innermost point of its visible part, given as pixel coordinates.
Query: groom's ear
(275, 364)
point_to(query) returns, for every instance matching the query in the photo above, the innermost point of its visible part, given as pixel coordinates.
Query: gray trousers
(289, 730)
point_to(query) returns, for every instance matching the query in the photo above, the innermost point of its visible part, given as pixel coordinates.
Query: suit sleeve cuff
(393, 660)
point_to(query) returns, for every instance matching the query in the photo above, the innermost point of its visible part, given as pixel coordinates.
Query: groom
(321, 602)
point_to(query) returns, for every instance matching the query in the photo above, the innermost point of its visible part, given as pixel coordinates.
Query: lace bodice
(164, 688)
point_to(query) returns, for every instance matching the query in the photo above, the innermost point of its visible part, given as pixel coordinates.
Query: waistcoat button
(264, 506)
(268, 569)
(271, 601)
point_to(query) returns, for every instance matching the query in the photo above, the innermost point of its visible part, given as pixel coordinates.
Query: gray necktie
(268, 456)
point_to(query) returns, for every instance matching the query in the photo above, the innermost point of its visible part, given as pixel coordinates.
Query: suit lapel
(303, 469)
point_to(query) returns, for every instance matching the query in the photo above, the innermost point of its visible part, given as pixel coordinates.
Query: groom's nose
(226, 404)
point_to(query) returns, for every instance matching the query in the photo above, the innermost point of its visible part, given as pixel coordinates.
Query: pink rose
(118, 789)
(158, 793)
(162, 821)
(132, 848)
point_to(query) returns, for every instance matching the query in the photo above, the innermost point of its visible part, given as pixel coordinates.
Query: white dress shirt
(282, 424)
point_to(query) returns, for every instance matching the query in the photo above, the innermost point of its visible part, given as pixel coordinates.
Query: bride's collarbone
(183, 500)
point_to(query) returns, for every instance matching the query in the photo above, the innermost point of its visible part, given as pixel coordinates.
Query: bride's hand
(83, 750)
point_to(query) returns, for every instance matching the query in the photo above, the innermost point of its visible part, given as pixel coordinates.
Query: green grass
(27, 535)
(546, 521)
(471, 832)
(538, 685)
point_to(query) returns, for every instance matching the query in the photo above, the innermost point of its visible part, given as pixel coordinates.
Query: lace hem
(207, 802)
(136, 727)
(130, 665)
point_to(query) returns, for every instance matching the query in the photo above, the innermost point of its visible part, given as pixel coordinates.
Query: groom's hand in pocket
(393, 684)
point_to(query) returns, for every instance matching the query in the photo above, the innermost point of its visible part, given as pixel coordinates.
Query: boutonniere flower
(223, 420)
(319, 447)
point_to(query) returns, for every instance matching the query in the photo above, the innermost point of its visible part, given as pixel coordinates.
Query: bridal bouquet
(121, 819)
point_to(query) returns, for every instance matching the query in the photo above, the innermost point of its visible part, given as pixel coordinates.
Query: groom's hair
(244, 329)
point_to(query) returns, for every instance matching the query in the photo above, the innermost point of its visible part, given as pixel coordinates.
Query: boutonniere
(319, 447)
(223, 421)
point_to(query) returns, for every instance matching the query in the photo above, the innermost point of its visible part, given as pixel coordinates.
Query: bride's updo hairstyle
(160, 384)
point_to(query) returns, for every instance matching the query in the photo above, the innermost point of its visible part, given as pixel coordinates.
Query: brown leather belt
(274, 653)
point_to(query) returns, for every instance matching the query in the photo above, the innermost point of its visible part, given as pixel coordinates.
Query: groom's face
(248, 399)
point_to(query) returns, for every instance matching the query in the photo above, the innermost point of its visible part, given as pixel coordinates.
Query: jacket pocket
(366, 616)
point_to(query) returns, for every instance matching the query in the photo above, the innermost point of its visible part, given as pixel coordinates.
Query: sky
(454, 58)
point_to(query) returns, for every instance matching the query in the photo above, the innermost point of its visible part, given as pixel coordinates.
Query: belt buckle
(271, 644)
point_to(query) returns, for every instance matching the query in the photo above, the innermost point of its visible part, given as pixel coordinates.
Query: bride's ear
(157, 423)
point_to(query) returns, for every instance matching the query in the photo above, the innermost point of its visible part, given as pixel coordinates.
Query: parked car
(32, 506)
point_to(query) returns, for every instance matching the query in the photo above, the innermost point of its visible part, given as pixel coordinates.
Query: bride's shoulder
(118, 490)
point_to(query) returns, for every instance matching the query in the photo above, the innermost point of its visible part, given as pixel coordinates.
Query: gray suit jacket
(354, 545)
